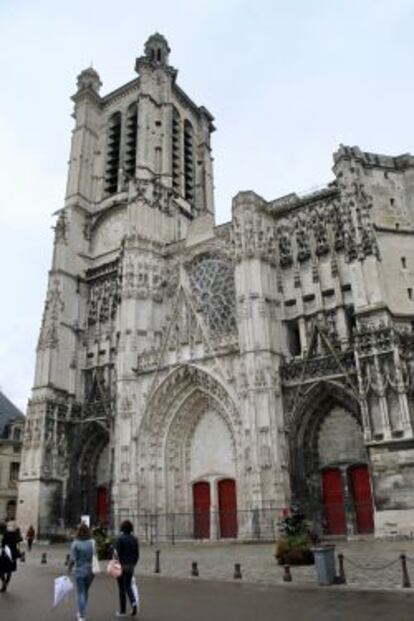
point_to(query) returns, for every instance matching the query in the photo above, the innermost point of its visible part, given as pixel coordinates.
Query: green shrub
(104, 543)
(293, 547)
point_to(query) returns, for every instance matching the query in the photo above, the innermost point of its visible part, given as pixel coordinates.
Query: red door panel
(201, 505)
(102, 504)
(361, 491)
(333, 501)
(227, 508)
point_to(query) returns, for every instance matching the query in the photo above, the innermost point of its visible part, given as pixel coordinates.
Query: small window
(410, 293)
(14, 473)
(392, 201)
(403, 262)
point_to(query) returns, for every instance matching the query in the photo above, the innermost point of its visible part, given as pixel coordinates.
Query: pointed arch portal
(190, 443)
(330, 475)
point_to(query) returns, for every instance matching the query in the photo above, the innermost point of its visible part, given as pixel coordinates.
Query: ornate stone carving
(61, 228)
(49, 333)
(104, 288)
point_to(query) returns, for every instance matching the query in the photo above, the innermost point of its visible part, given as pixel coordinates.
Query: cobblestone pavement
(369, 563)
(30, 596)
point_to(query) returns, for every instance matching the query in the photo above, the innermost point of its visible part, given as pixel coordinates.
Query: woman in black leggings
(127, 549)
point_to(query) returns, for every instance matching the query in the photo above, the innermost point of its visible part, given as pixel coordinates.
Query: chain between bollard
(370, 567)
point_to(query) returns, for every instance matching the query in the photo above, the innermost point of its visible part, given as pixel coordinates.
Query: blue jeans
(83, 582)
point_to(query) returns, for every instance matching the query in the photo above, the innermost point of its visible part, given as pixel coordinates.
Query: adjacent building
(11, 435)
(204, 378)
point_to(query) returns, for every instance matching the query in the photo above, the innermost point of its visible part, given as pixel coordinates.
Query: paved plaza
(171, 599)
(369, 563)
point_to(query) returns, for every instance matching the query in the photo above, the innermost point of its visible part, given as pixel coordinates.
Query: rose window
(212, 283)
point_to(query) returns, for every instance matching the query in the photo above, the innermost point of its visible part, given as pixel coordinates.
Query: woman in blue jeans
(81, 553)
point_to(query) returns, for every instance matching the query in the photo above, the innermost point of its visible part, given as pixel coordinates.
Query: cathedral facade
(219, 373)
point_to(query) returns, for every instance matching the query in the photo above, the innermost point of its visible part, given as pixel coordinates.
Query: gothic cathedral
(207, 378)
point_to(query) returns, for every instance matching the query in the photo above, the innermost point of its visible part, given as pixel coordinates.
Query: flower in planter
(293, 546)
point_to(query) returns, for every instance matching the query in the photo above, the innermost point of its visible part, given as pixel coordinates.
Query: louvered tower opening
(131, 131)
(176, 150)
(113, 154)
(188, 162)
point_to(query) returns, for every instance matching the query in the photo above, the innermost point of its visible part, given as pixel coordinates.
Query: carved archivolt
(174, 402)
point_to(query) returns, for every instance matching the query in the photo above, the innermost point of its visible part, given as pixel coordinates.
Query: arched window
(131, 131)
(113, 153)
(176, 150)
(188, 162)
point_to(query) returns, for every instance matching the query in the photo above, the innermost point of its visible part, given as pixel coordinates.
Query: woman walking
(81, 554)
(30, 535)
(9, 553)
(127, 550)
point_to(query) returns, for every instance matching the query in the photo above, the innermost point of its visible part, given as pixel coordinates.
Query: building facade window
(188, 162)
(113, 153)
(14, 473)
(176, 151)
(131, 137)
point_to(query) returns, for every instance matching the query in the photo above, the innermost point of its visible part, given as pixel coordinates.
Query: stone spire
(157, 49)
(89, 79)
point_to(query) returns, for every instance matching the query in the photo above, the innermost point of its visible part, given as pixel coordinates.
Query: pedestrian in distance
(127, 552)
(81, 554)
(30, 535)
(9, 553)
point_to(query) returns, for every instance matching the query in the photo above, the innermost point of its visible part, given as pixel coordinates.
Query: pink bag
(114, 568)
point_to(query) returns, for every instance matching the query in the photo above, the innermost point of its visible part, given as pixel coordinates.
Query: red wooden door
(227, 508)
(102, 504)
(333, 501)
(201, 505)
(361, 491)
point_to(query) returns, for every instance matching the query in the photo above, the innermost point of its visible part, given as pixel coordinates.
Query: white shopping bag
(135, 591)
(63, 586)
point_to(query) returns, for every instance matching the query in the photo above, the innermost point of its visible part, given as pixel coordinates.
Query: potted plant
(296, 539)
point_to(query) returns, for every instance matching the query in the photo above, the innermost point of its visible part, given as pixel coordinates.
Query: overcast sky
(286, 81)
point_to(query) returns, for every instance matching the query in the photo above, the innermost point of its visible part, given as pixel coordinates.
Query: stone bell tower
(140, 171)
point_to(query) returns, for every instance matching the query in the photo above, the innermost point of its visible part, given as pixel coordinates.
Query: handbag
(96, 568)
(114, 568)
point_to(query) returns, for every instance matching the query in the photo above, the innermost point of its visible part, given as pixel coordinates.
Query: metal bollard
(194, 569)
(157, 569)
(287, 576)
(43, 559)
(237, 571)
(22, 557)
(406, 584)
(341, 576)
(67, 559)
